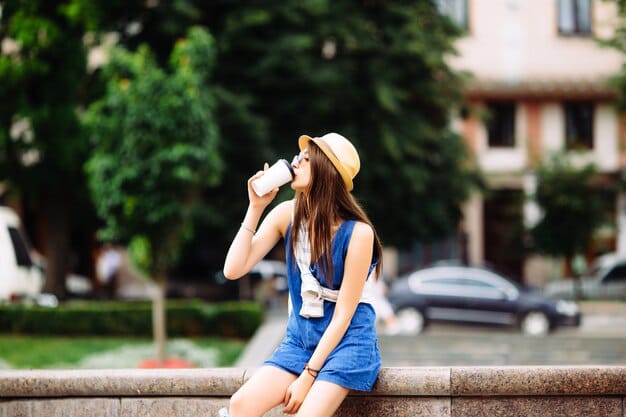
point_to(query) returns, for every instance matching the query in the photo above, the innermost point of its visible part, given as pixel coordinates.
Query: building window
(456, 10)
(578, 124)
(575, 17)
(501, 124)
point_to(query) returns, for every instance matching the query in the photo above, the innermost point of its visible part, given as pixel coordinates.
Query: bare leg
(323, 400)
(264, 391)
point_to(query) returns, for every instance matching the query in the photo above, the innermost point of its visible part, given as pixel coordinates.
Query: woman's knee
(265, 390)
(237, 405)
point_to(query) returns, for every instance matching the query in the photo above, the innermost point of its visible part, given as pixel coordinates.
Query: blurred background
(493, 151)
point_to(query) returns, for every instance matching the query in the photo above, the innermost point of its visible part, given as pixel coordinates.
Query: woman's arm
(357, 263)
(247, 247)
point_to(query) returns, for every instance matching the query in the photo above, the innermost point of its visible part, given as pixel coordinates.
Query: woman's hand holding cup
(265, 200)
(262, 187)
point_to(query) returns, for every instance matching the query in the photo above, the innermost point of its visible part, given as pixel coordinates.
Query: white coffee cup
(278, 174)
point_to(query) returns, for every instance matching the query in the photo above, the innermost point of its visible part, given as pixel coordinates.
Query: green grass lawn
(109, 352)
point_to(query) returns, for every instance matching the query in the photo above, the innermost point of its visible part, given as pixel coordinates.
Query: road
(601, 339)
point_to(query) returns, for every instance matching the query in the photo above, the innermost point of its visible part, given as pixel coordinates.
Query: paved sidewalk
(265, 340)
(603, 307)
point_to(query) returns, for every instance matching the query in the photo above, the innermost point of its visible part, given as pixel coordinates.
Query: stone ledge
(540, 380)
(532, 391)
(120, 382)
(404, 382)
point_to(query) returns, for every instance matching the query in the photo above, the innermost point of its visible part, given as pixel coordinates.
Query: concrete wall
(440, 391)
(515, 40)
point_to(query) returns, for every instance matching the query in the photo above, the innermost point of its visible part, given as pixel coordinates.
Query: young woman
(330, 345)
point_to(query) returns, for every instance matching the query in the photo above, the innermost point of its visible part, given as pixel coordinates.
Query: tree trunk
(57, 244)
(577, 283)
(158, 319)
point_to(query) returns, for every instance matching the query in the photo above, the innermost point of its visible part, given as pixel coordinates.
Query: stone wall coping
(538, 380)
(393, 381)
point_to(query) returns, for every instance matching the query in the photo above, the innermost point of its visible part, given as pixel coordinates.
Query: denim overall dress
(355, 362)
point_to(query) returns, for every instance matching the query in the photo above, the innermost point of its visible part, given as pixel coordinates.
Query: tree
(44, 83)
(374, 71)
(571, 208)
(43, 75)
(156, 142)
(248, 142)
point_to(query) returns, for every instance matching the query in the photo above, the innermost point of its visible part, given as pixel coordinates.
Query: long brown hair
(325, 202)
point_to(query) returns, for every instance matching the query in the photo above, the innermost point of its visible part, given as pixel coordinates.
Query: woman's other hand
(255, 200)
(296, 393)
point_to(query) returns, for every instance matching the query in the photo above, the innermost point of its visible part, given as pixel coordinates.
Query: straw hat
(340, 152)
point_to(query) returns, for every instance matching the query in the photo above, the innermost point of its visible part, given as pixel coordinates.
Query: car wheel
(535, 323)
(411, 320)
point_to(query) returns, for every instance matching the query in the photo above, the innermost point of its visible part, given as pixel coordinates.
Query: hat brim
(303, 142)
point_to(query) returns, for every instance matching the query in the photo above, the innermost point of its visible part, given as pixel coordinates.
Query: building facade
(540, 84)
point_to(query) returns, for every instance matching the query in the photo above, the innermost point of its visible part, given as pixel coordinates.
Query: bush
(184, 318)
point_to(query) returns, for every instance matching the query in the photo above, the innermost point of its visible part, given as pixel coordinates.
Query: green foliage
(187, 318)
(43, 83)
(140, 251)
(156, 145)
(374, 71)
(572, 209)
(40, 82)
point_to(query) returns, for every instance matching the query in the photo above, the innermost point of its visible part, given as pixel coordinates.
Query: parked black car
(475, 295)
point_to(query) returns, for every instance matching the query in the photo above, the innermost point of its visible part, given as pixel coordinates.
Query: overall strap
(312, 292)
